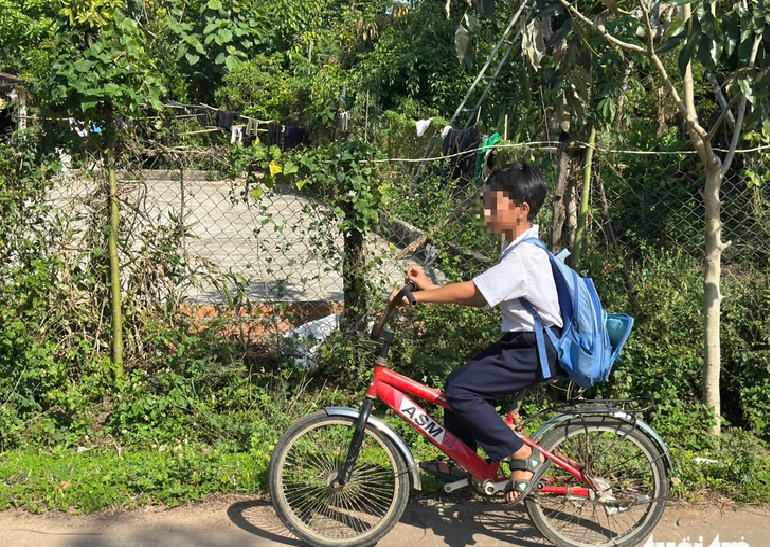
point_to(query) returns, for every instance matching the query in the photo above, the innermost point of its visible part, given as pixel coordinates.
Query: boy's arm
(463, 294)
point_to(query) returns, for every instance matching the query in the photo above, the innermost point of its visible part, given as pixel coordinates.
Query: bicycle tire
(316, 501)
(638, 464)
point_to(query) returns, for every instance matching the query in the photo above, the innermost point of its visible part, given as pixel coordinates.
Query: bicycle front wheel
(633, 482)
(303, 473)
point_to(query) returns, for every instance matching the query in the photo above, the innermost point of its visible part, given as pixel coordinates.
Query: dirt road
(249, 522)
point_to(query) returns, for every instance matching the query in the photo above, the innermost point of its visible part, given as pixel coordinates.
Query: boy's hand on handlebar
(404, 302)
(416, 275)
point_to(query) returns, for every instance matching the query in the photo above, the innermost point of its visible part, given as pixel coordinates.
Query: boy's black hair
(522, 183)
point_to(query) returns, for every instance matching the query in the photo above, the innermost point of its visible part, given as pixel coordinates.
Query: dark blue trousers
(504, 368)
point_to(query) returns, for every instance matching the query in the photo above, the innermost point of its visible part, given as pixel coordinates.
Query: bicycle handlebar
(406, 291)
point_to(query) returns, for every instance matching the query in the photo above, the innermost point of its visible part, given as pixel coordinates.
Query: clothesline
(551, 146)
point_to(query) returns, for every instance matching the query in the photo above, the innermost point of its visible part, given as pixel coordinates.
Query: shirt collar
(534, 231)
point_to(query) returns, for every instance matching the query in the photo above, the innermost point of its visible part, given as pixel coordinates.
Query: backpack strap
(539, 328)
(567, 305)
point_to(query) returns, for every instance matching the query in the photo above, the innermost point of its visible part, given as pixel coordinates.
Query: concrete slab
(282, 247)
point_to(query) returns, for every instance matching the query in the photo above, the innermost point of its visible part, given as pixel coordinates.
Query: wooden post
(181, 209)
(366, 117)
(21, 124)
(115, 291)
(505, 132)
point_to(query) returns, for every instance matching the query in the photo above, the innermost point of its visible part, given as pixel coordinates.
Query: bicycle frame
(392, 388)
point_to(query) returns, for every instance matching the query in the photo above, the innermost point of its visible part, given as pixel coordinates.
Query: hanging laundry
(252, 127)
(484, 165)
(344, 118)
(78, 127)
(456, 144)
(236, 135)
(445, 131)
(274, 134)
(294, 136)
(422, 126)
(225, 119)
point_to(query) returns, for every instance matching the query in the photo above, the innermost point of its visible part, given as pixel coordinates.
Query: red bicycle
(341, 477)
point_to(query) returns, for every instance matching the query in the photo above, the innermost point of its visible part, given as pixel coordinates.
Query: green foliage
(663, 357)
(263, 88)
(737, 463)
(24, 34)
(423, 66)
(91, 14)
(194, 414)
(746, 353)
(110, 76)
(733, 37)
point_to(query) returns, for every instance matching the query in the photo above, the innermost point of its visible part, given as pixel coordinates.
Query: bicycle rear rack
(604, 406)
(598, 407)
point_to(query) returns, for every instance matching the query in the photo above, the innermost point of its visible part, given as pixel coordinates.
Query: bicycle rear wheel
(302, 477)
(631, 472)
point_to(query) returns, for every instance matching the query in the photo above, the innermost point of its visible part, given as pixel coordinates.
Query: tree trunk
(713, 297)
(573, 199)
(560, 197)
(661, 93)
(622, 98)
(353, 280)
(581, 232)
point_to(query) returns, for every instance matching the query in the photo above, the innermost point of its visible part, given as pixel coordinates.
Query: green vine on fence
(343, 179)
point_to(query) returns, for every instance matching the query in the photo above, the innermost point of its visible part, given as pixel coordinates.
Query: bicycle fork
(355, 445)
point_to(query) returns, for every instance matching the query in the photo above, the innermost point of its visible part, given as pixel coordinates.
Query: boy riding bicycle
(514, 195)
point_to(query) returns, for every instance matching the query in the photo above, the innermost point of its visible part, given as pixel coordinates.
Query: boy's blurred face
(503, 215)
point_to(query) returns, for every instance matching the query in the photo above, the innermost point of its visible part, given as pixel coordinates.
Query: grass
(82, 482)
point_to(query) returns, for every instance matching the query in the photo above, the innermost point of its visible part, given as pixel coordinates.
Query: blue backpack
(591, 338)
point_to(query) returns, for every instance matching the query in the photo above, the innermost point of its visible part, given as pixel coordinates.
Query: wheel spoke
(318, 505)
(619, 457)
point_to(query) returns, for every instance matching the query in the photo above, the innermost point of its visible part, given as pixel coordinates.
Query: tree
(24, 26)
(732, 40)
(101, 70)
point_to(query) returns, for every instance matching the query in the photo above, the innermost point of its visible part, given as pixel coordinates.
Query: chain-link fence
(270, 257)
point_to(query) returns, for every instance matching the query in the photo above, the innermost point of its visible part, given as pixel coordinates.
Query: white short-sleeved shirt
(525, 271)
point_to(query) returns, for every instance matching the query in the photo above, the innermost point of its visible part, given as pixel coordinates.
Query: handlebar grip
(409, 296)
(404, 292)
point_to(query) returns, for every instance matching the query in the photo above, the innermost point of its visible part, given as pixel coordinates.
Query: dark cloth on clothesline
(457, 142)
(294, 136)
(274, 134)
(225, 119)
